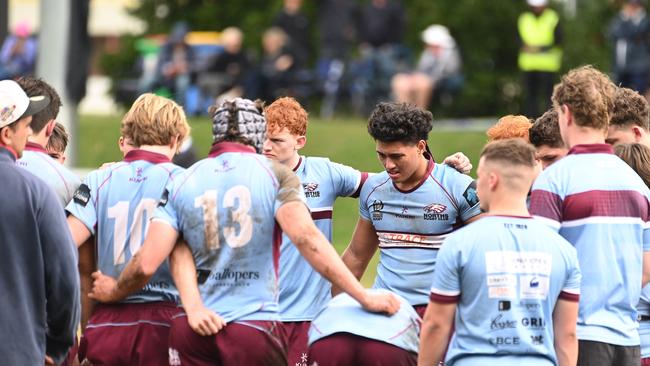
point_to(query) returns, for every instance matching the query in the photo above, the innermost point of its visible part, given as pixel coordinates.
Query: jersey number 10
(120, 212)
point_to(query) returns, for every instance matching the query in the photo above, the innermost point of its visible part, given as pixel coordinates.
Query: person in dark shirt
(296, 25)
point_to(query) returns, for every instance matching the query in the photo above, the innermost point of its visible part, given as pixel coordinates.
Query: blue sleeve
(347, 181)
(446, 277)
(83, 203)
(61, 277)
(571, 288)
(467, 198)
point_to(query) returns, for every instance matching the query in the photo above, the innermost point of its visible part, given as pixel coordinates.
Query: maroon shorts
(420, 309)
(72, 353)
(128, 334)
(645, 361)
(294, 337)
(246, 342)
(345, 349)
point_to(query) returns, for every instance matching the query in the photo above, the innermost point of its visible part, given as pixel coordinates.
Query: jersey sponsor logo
(404, 214)
(470, 194)
(499, 323)
(533, 322)
(82, 195)
(164, 198)
(505, 341)
(409, 240)
(376, 208)
(504, 305)
(507, 271)
(537, 339)
(241, 278)
(311, 190)
(435, 211)
(225, 167)
(138, 176)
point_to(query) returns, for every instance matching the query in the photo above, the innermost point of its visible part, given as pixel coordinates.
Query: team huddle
(229, 262)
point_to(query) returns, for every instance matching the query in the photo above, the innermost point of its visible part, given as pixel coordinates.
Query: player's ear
(300, 142)
(638, 133)
(5, 135)
(49, 127)
(493, 181)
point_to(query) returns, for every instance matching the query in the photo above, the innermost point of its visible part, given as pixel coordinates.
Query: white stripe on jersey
(604, 220)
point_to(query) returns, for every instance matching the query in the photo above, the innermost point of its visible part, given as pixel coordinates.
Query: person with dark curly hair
(630, 119)
(544, 134)
(407, 210)
(600, 205)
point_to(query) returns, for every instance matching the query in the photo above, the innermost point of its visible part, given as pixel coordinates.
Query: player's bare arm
(157, 246)
(646, 269)
(86, 267)
(565, 316)
(435, 331)
(80, 233)
(202, 320)
(295, 221)
(359, 252)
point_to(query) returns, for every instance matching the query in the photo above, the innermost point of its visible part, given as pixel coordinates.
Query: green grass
(343, 141)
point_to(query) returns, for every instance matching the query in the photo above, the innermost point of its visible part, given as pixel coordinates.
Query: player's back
(224, 206)
(122, 200)
(512, 271)
(36, 160)
(605, 220)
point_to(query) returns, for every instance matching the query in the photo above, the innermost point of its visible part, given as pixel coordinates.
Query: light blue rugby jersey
(605, 215)
(412, 225)
(63, 181)
(224, 207)
(506, 274)
(303, 291)
(343, 314)
(116, 204)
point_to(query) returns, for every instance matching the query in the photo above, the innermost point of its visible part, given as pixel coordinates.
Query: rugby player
(116, 204)
(601, 206)
(508, 284)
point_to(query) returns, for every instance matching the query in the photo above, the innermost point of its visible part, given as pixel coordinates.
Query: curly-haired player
(509, 127)
(407, 210)
(544, 134)
(630, 119)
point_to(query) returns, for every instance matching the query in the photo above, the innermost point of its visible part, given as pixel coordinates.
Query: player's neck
(39, 139)
(417, 176)
(509, 205)
(585, 136)
(292, 163)
(165, 150)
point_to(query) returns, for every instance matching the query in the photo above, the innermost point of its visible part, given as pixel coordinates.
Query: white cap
(537, 2)
(15, 104)
(437, 35)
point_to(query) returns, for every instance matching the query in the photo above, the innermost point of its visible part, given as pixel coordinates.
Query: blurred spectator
(226, 74)
(630, 32)
(277, 67)
(175, 63)
(540, 55)
(296, 25)
(336, 33)
(380, 26)
(18, 54)
(438, 70)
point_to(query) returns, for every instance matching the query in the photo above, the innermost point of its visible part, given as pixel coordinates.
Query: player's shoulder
(374, 182)
(449, 177)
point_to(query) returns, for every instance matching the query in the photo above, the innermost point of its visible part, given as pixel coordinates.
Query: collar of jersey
(145, 155)
(298, 166)
(227, 146)
(32, 146)
(592, 149)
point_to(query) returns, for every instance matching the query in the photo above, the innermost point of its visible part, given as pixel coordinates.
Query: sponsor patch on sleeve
(82, 195)
(164, 199)
(470, 194)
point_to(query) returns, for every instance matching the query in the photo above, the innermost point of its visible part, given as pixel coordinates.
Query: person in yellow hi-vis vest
(540, 55)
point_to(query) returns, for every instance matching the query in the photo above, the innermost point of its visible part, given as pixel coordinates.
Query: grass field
(343, 141)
